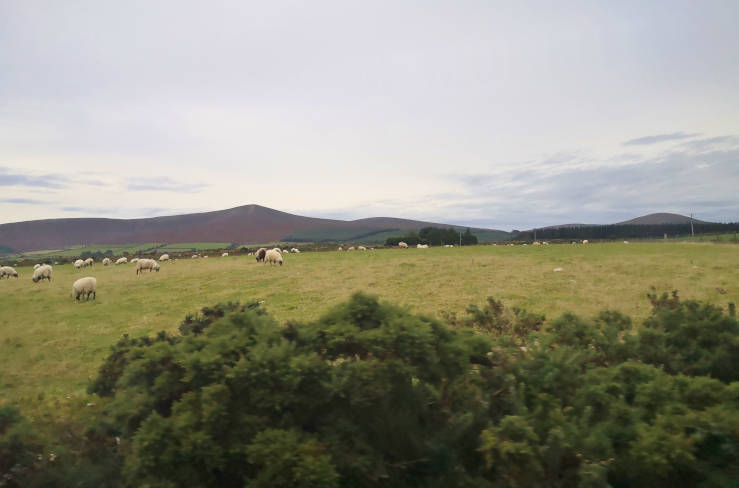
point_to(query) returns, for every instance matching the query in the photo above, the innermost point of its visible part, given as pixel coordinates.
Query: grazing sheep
(79, 264)
(149, 264)
(36, 266)
(224, 255)
(340, 248)
(85, 286)
(134, 260)
(295, 250)
(194, 256)
(121, 261)
(585, 241)
(164, 257)
(626, 242)
(261, 252)
(452, 245)
(205, 257)
(361, 248)
(285, 251)
(422, 246)
(42, 273)
(8, 271)
(106, 262)
(89, 262)
(545, 243)
(351, 249)
(537, 243)
(273, 257)
(403, 245)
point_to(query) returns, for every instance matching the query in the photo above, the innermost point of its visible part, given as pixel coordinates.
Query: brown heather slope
(245, 224)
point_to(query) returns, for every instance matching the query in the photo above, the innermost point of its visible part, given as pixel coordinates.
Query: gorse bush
(372, 395)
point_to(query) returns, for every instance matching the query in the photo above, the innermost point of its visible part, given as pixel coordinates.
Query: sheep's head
(156, 267)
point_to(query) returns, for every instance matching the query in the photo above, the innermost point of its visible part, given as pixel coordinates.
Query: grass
(189, 246)
(53, 345)
(118, 249)
(711, 238)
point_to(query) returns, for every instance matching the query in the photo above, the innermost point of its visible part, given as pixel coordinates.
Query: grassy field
(118, 249)
(51, 346)
(190, 246)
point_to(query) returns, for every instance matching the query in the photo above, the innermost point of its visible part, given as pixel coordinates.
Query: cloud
(7, 178)
(166, 185)
(23, 201)
(646, 140)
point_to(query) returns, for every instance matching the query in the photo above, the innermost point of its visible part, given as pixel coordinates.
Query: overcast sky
(494, 114)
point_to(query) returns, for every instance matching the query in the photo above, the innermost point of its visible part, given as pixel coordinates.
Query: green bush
(372, 395)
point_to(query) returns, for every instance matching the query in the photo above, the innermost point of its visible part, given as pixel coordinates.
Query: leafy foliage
(372, 395)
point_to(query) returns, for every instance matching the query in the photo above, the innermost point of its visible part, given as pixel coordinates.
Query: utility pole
(692, 233)
(460, 238)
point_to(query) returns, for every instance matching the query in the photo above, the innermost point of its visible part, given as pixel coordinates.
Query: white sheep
(42, 273)
(194, 256)
(134, 260)
(585, 241)
(79, 264)
(36, 266)
(89, 262)
(451, 245)
(164, 257)
(295, 250)
(340, 248)
(361, 248)
(626, 242)
(403, 245)
(122, 260)
(205, 257)
(85, 286)
(285, 251)
(106, 262)
(224, 255)
(273, 257)
(351, 249)
(537, 243)
(149, 264)
(8, 271)
(422, 246)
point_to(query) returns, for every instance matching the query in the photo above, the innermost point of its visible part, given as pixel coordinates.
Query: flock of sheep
(87, 286)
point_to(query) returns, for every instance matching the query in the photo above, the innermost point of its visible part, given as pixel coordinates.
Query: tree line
(434, 236)
(633, 231)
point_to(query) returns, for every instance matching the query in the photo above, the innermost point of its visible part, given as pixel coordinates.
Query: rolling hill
(661, 219)
(245, 224)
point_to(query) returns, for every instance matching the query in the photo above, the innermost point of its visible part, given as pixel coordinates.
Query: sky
(507, 115)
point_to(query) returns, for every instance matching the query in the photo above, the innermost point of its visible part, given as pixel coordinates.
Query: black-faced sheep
(261, 252)
(42, 273)
(273, 257)
(149, 264)
(85, 286)
(8, 271)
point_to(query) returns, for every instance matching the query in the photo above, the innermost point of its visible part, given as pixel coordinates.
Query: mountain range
(248, 224)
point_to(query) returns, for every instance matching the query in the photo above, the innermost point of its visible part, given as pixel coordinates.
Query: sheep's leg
(94, 295)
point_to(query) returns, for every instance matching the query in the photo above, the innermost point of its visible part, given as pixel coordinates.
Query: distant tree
(468, 238)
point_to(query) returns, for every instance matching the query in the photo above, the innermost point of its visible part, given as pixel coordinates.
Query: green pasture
(51, 345)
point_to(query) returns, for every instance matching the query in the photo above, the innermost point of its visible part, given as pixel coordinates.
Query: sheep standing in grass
(422, 246)
(79, 264)
(121, 261)
(273, 257)
(285, 251)
(8, 271)
(585, 241)
(194, 256)
(351, 248)
(295, 250)
(164, 257)
(224, 255)
(403, 245)
(340, 248)
(89, 262)
(134, 260)
(261, 253)
(361, 248)
(149, 264)
(106, 262)
(36, 266)
(42, 273)
(85, 286)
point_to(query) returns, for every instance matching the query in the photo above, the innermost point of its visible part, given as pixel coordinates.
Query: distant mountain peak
(660, 219)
